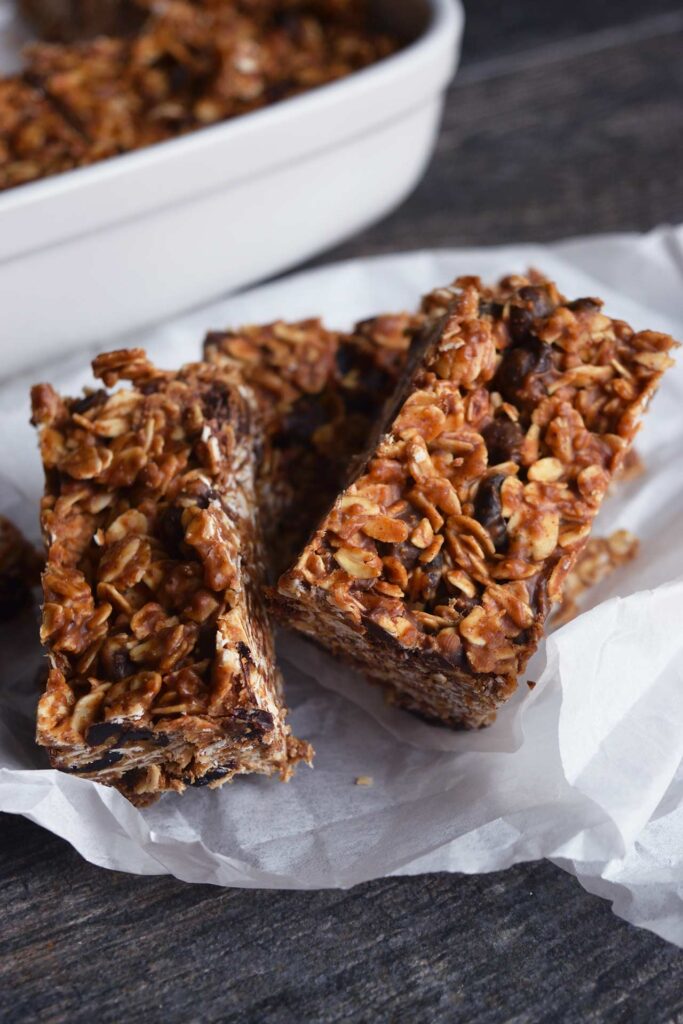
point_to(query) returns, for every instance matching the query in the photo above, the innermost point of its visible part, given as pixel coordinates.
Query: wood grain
(526, 945)
(565, 120)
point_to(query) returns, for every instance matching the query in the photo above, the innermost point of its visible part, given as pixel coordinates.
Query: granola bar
(317, 394)
(161, 664)
(436, 568)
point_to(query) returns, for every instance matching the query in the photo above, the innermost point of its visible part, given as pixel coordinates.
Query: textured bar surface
(435, 570)
(162, 671)
(317, 396)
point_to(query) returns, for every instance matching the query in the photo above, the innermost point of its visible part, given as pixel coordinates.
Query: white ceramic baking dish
(93, 253)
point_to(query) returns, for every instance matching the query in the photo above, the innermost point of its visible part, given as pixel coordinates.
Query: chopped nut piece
(364, 780)
(162, 670)
(512, 421)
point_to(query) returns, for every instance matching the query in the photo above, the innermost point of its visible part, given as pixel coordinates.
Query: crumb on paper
(598, 560)
(364, 780)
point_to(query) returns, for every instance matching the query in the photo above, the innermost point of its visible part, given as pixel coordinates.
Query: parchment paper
(585, 770)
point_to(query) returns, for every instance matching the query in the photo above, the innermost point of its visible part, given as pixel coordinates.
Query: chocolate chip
(494, 309)
(520, 322)
(110, 758)
(205, 495)
(218, 404)
(244, 652)
(306, 415)
(518, 363)
(83, 404)
(488, 510)
(504, 439)
(206, 641)
(101, 732)
(120, 664)
(432, 573)
(406, 553)
(363, 398)
(210, 776)
(170, 529)
(539, 296)
(137, 735)
(345, 359)
(260, 721)
(585, 306)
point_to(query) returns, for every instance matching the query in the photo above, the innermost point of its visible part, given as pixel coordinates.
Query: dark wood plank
(526, 945)
(564, 121)
(495, 29)
(562, 147)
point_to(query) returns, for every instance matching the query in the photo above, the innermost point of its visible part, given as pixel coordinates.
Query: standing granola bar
(162, 671)
(436, 568)
(317, 395)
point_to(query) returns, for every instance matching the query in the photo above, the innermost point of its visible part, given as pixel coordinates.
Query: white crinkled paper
(585, 769)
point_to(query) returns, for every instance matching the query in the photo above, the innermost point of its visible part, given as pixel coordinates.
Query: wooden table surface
(564, 120)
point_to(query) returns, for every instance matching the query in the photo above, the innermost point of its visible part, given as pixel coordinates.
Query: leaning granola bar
(161, 665)
(435, 569)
